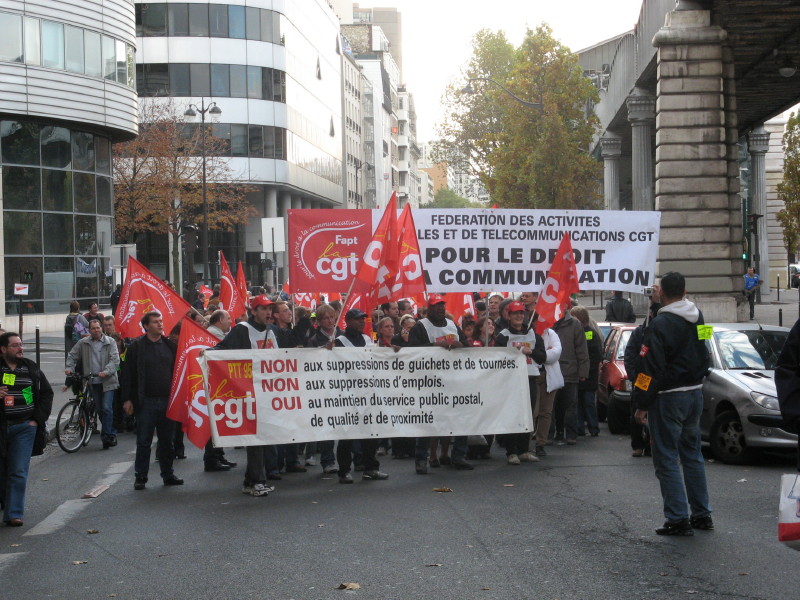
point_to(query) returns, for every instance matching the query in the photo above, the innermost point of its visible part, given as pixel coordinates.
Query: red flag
(410, 279)
(241, 284)
(459, 305)
(307, 299)
(230, 297)
(187, 397)
(207, 292)
(143, 292)
(378, 269)
(286, 288)
(562, 280)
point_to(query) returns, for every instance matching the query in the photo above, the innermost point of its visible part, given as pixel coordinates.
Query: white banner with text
(308, 395)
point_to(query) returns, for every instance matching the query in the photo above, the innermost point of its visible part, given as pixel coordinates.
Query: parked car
(740, 404)
(613, 387)
(794, 276)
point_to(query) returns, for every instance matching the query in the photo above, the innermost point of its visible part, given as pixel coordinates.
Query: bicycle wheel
(71, 426)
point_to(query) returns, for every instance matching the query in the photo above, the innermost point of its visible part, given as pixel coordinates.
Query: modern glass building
(68, 92)
(274, 69)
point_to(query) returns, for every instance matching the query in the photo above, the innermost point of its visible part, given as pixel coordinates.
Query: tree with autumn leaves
(789, 187)
(158, 179)
(526, 157)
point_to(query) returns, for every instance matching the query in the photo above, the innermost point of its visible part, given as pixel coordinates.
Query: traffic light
(752, 221)
(190, 238)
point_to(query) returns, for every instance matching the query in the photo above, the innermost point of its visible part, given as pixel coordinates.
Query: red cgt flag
(241, 283)
(378, 269)
(410, 279)
(459, 305)
(562, 280)
(143, 292)
(230, 297)
(187, 397)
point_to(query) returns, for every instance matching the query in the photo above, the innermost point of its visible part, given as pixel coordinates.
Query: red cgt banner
(326, 247)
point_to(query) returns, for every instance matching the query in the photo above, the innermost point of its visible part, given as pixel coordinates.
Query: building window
(52, 45)
(33, 48)
(11, 38)
(178, 20)
(92, 50)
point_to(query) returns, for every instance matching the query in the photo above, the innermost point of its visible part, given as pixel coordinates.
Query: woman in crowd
(483, 334)
(587, 407)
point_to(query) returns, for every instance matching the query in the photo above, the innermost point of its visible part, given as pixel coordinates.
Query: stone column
(758, 146)
(611, 150)
(642, 116)
(271, 203)
(692, 187)
(305, 203)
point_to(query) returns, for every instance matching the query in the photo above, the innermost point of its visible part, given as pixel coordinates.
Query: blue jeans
(674, 421)
(423, 448)
(587, 412)
(151, 418)
(105, 406)
(14, 468)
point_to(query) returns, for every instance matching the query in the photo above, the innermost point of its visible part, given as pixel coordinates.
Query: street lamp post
(468, 89)
(192, 112)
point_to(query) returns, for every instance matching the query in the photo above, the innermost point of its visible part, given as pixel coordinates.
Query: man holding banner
(257, 332)
(438, 330)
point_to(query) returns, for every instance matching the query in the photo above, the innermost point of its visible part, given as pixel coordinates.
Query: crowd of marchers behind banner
(561, 363)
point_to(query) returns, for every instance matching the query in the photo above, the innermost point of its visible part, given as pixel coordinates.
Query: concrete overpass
(684, 97)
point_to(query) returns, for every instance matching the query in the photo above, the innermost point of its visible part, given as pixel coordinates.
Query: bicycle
(77, 419)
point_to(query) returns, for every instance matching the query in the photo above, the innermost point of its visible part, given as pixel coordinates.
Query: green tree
(789, 187)
(526, 157)
(447, 198)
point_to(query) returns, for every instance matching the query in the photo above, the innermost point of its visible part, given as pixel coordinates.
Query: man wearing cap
(354, 337)
(438, 330)
(255, 333)
(520, 335)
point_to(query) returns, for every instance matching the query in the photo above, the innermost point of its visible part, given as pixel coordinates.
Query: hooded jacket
(574, 359)
(673, 355)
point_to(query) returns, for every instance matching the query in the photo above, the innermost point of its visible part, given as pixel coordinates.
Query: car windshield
(751, 349)
(624, 337)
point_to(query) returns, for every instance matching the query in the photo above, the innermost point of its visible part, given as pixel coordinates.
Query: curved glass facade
(215, 80)
(57, 214)
(54, 45)
(182, 19)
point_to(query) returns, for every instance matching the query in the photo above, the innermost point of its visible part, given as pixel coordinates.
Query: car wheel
(727, 439)
(618, 416)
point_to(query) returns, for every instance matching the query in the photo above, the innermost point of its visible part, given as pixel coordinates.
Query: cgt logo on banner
(233, 402)
(327, 247)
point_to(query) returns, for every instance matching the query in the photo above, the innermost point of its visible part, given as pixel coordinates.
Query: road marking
(71, 508)
(6, 560)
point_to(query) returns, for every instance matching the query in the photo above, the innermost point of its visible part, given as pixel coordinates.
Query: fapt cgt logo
(233, 403)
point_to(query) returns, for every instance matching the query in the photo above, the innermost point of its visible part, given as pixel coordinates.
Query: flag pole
(339, 315)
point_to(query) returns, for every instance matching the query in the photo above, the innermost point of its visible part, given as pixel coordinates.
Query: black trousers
(344, 455)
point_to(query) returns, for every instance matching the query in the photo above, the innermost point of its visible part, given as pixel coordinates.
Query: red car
(613, 387)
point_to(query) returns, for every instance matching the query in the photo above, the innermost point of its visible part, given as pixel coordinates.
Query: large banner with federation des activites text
(309, 395)
(467, 250)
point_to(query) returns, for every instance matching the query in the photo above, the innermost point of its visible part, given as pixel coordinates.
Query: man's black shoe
(173, 480)
(139, 483)
(705, 523)
(682, 527)
(216, 465)
(227, 462)
(461, 464)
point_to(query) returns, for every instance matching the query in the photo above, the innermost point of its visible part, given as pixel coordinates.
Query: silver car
(740, 409)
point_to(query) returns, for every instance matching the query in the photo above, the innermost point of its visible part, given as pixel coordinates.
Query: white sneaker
(513, 459)
(528, 457)
(311, 461)
(330, 469)
(260, 489)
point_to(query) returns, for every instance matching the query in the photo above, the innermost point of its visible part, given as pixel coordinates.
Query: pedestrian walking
(151, 361)
(752, 282)
(673, 361)
(27, 399)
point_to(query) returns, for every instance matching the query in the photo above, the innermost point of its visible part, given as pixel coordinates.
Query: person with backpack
(75, 327)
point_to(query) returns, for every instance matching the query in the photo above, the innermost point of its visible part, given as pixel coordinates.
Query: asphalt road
(578, 524)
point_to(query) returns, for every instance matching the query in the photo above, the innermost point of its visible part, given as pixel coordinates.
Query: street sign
(20, 289)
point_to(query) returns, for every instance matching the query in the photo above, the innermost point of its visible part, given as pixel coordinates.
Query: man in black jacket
(620, 310)
(27, 399)
(151, 361)
(672, 363)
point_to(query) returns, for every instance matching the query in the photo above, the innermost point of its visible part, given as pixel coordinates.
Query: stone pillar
(642, 116)
(758, 146)
(692, 176)
(284, 204)
(611, 150)
(271, 203)
(305, 203)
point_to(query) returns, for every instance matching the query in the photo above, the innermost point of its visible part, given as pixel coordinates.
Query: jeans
(151, 418)
(459, 451)
(14, 468)
(326, 455)
(566, 412)
(105, 406)
(344, 455)
(674, 421)
(587, 412)
(260, 461)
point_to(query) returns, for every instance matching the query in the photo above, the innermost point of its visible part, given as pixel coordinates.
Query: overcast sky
(437, 36)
